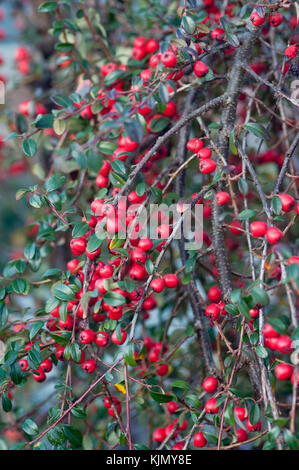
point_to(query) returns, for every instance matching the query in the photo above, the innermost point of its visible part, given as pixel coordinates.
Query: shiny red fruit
(199, 440)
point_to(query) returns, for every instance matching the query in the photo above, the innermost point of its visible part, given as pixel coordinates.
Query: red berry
(222, 198)
(87, 336)
(60, 354)
(254, 312)
(275, 19)
(172, 406)
(218, 34)
(46, 365)
(89, 366)
(273, 235)
(159, 435)
(67, 324)
(235, 227)
(168, 59)
(207, 166)
(39, 375)
(211, 406)
(199, 440)
(283, 371)
(204, 153)
(241, 412)
(242, 435)
(137, 272)
(253, 427)
(139, 256)
(210, 384)
(287, 202)
(101, 339)
(23, 363)
(145, 244)
(123, 336)
(212, 311)
(170, 109)
(214, 294)
(200, 69)
(284, 344)
(158, 284)
(151, 46)
(161, 369)
(102, 181)
(269, 331)
(78, 246)
(171, 280)
(105, 168)
(178, 446)
(194, 145)
(291, 52)
(256, 19)
(258, 228)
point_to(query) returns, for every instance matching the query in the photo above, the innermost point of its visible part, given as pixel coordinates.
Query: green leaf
(243, 186)
(192, 400)
(157, 193)
(232, 309)
(80, 229)
(3, 314)
(260, 296)
(47, 7)
(129, 355)
(30, 427)
(29, 147)
(34, 358)
(257, 129)
(158, 124)
(35, 328)
(180, 384)
(6, 402)
(149, 266)
(254, 414)
(35, 201)
(236, 296)
(276, 205)
(161, 397)
(73, 435)
(188, 24)
(107, 148)
(64, 47)
(94, 243)
(114, 76)
(290, 439)
(20, 286)
(247, 214)
(76, 352)
(114, 299)
(78, 413)
(62, 339)
(261, 352)
(45, 122)
(140, 189)
(232, 145)
(63, 292)
(16, 373)
(55, 181)
(232, 39)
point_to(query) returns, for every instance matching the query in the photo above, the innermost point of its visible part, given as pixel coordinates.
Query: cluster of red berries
(206, 163)
(111, 403)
